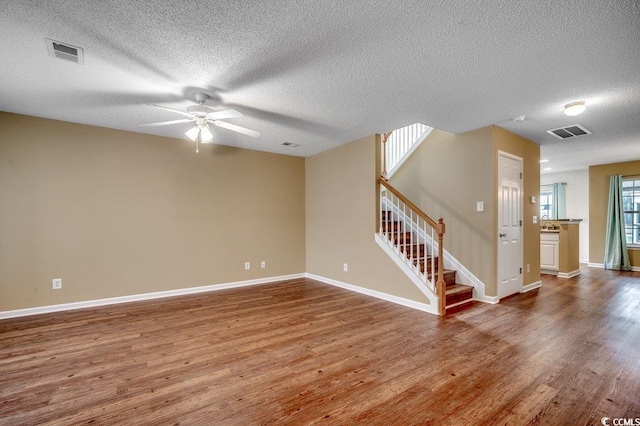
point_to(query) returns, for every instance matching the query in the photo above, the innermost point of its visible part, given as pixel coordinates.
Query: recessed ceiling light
(546, 169)
(574, 108)
(544, 161)
(518, 118)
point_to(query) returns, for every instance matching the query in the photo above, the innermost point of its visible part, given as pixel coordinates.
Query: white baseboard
(490, 299)
(144, 296)
(377, 294)
(569, 274)
(601, 266)
(531, 286)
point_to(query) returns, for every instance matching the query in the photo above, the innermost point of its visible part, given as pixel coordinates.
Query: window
(631, 206)
(546, 202)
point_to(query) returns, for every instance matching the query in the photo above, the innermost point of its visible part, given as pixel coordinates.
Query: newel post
(440, 284)
(385, 137)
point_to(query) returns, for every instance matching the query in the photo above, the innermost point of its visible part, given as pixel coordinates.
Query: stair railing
(399, 143)
(414, 237)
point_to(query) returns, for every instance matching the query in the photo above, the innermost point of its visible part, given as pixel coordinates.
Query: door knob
(503, 235)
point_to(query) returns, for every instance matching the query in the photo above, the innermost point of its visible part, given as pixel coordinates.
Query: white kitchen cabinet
(549, 252)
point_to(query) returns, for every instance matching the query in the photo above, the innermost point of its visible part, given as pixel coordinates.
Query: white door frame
(514, 284)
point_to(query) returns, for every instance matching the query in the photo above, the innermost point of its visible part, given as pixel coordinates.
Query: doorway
(510, 247)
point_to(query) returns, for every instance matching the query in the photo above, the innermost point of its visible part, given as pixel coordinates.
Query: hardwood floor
(302, 352)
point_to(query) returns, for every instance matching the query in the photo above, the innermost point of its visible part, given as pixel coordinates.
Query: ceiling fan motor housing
(201, 98)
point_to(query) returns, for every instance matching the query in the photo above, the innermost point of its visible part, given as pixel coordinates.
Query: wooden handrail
(412, 206)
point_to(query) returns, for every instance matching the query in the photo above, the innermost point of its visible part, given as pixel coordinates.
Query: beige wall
(448, 174)
(341, 220)
(598, 201)
(117, 213)
(445, 177)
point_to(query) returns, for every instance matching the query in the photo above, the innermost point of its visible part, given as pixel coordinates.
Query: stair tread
(444, 271)
(458, 288)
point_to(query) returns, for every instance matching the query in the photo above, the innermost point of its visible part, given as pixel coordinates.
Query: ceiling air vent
(291, 144)
(569, 131)
(65, 51)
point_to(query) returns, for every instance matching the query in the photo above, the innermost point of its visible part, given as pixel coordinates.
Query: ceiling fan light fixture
(205, 135)
(574, 108)
(193, 133)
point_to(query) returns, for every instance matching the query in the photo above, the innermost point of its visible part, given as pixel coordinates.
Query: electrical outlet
(263, 264)
(535, 219)
(56, 283)
(247, 266)
(345, 267)
(480, 206)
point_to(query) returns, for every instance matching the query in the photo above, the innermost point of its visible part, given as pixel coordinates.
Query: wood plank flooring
(302, 352)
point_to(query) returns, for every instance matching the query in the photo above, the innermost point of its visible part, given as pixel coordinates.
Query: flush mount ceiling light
(574, 108)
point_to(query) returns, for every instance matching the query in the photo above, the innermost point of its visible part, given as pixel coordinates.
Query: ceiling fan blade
(186, 114)
(220, 115)
(235, 128)
(165, 123)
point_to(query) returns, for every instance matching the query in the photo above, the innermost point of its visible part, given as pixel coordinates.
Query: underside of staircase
(457, 295)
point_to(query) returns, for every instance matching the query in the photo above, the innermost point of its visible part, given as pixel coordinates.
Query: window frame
(634, 211)
(546, 191)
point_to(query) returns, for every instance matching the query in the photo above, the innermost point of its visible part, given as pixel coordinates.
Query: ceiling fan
(202, 116)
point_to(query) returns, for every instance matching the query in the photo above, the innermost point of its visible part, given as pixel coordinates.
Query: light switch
(480, 206)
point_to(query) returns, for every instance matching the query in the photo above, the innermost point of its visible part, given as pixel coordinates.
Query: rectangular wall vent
(569, 131)
(65, 51)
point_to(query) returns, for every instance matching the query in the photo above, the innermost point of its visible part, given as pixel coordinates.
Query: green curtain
(559, 201)
(615, 250)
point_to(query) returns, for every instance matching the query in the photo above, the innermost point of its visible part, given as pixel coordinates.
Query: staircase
(406, 242)
(412, 239)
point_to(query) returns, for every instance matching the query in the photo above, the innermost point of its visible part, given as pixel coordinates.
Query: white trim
(409, 152)
(601, 266)
(377, 294)
(569, 274)
(144, 296)
(583, 260)
(531, 286)
(491, 299)
(549, 271)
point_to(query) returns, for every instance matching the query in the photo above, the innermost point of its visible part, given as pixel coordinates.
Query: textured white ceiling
(323, 73)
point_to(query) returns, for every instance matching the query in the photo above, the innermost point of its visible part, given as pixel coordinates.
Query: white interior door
(510, 248)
